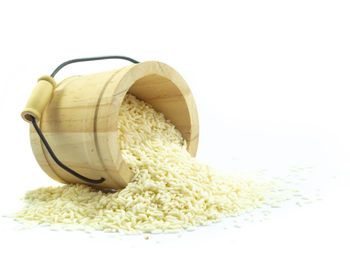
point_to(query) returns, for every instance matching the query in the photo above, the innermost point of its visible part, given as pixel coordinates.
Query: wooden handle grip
(40, 97)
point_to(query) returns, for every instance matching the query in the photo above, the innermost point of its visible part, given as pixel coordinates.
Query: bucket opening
(165, 97)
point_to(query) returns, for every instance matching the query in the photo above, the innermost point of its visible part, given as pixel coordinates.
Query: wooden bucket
(80, 120)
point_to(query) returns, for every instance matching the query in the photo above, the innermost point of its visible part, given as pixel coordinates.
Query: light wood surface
(80, 122)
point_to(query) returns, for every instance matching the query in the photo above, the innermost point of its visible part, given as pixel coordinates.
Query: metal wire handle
(42, 137)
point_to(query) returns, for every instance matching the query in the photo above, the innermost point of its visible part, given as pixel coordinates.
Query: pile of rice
(171, 190)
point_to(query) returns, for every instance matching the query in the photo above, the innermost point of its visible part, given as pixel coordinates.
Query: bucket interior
(165, 97)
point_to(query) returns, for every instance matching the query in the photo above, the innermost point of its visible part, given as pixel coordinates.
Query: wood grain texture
(80, 122)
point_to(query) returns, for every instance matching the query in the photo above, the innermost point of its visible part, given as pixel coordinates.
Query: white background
(271, 81)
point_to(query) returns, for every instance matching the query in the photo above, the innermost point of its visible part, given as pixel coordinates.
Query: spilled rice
(170, 191)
